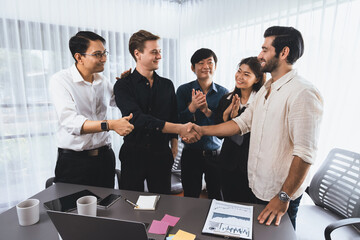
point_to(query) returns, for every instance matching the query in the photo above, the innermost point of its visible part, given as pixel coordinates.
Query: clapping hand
(233, 109)
(198, 101)
(236, 106)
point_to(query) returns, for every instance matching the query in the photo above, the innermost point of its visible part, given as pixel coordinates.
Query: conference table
(192, 213)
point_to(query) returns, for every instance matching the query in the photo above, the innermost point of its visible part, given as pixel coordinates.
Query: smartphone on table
(108, 201)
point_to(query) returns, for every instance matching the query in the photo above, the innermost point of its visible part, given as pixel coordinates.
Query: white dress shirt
(284, 125)
(76, 101)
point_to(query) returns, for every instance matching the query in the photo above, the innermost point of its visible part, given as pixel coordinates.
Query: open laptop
(72, 226)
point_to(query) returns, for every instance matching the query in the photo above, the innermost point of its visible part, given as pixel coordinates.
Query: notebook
(147, 202)
(72, 226)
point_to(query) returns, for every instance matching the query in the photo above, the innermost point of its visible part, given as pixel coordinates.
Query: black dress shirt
(151, 108)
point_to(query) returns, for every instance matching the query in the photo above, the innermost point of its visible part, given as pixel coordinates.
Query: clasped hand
(190, 132)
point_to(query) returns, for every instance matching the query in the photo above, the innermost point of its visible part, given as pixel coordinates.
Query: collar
(138, 77)
(281, 81)
(76, 76)
(212, 86)
(251, 98)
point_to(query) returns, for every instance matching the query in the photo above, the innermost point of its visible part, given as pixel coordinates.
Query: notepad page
(147, 202)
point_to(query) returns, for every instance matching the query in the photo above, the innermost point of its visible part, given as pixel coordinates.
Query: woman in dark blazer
(235, 149)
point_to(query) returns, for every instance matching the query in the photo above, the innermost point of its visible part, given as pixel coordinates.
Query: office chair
(50, 181)
(176, 185)
(335, 190)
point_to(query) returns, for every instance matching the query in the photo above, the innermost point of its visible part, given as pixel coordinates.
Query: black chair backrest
(336, 185)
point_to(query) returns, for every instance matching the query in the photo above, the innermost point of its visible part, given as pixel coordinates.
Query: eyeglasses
(97, 54)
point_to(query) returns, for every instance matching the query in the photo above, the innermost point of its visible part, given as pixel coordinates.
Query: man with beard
(284, 120)
(81, 97)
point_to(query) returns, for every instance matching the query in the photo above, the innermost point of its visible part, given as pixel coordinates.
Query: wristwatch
(105, 125)
(284, 197)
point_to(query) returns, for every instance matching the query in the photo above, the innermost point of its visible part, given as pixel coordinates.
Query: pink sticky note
(158, 227)
(170, 219)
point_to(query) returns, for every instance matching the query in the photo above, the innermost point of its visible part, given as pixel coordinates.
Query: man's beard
(271, 65)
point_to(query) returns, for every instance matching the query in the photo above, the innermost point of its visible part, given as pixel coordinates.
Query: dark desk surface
(192, 213)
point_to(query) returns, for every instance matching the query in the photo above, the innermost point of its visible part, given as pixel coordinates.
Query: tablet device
(68, 203)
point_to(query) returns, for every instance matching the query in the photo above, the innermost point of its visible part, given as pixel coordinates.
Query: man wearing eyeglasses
(81, 97)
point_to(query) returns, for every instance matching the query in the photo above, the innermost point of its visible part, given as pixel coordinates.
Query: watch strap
(284, 197)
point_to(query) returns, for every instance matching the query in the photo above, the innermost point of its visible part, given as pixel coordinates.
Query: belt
(210, 153)
(205, 153)
(92, 152)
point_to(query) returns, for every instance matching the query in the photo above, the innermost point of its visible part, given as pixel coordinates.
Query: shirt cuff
(159, 125)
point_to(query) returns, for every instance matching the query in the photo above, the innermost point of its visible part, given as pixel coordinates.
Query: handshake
(190, 132)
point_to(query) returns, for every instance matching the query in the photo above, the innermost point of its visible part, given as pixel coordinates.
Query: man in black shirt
(151, 99)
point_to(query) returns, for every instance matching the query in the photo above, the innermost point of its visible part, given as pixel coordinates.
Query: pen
(130, 202)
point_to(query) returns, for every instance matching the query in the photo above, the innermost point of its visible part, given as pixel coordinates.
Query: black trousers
(235, 186)
(82, 168)
(151, 164)
(193, 165)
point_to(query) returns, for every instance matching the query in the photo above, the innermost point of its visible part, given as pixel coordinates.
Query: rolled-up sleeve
(65, 107)
(304, 119)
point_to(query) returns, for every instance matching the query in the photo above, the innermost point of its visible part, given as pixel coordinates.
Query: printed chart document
(147, 202)
(229, 219)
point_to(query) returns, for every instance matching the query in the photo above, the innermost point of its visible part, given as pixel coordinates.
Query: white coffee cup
(87, 205)
(28, 212)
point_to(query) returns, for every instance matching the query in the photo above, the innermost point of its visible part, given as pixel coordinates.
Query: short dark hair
(255, 67)
(138, 39)
(201, 54)
(81, 41)
(286, 37)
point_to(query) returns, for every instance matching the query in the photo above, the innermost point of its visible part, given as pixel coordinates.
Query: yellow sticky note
(182, 235)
